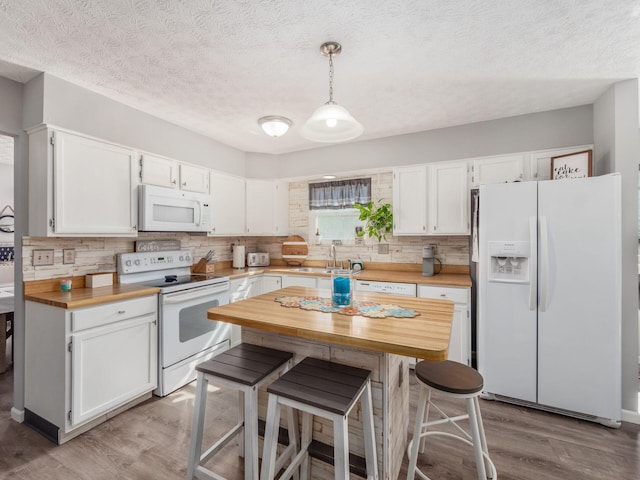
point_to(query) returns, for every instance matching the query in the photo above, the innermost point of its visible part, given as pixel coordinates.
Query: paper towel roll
(238, 256)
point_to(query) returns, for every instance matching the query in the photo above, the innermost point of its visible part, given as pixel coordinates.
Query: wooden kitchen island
(381, 345)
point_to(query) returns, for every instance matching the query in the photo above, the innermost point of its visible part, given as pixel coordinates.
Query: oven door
(184, 327)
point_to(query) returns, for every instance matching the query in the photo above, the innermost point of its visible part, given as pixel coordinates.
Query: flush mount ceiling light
(274, 126)
(331, 123)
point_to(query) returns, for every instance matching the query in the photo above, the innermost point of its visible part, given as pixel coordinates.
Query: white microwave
(162, 209)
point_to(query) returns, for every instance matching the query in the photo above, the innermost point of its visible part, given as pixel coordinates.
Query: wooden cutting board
(295, 250)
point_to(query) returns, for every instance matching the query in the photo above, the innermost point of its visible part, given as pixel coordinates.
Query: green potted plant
(379, 219)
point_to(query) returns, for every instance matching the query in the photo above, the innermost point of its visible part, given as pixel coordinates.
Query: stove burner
(170, 278)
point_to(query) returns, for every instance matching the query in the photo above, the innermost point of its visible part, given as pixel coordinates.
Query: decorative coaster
(365, 309)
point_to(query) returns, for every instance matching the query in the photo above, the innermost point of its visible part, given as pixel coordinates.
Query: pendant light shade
(331, 123)
(274, 126)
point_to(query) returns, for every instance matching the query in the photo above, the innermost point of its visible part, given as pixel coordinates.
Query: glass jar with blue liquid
(341, 288)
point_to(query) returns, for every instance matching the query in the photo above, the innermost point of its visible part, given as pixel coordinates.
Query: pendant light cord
(330, 78)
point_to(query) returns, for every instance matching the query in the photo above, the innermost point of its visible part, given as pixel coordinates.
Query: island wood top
(425, 336)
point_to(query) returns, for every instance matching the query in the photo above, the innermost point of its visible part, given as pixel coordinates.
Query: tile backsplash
(99, 254)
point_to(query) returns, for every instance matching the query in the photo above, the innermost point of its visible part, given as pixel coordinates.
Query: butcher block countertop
(86, 297)
(424, 336)
(449, 279)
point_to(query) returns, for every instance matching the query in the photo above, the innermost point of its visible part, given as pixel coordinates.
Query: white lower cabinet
(299, 281)
(82, 364)
(241, 289)
(460, 340)
(271, 283)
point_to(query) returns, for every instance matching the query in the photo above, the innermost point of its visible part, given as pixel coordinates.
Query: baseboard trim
(631, 417)
(17, 415)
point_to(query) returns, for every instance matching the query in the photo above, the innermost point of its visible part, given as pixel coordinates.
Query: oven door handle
(180, 297)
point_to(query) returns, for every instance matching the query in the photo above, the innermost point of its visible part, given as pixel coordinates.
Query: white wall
(11, 124)
(537, 131)
(70, 106)
(617, 149)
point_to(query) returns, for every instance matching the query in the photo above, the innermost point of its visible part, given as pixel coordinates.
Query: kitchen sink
(311, 269)
(320, 270)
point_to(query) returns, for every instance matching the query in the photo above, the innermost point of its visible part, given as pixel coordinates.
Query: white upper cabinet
(501, 169)
(448, 198)
(267, 205)
(410, 200)
(167, 172)
(540, 162)
(160, 171)
(228, 204)
(194, 178)
(79, 185)
(431, 199)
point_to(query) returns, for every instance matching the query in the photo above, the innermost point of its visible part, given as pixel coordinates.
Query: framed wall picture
(572, 165)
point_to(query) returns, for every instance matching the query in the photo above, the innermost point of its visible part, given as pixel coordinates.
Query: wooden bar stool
(455, 380)
(244, 368)
(328, 390)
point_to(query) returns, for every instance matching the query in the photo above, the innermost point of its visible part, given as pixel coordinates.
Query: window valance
(339, 193)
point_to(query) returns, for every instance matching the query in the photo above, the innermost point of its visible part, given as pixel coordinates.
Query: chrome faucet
(332, 254)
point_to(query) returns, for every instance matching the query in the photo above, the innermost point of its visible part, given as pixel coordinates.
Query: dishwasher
(392, 288)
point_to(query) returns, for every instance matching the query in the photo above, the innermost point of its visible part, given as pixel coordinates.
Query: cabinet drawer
(456, 295)
(112, 312)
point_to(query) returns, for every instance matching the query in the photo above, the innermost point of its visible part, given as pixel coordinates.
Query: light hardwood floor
(151, 440)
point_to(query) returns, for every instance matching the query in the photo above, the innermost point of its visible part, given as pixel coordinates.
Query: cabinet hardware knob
(184, 184)
(120, 312)
(174, 182)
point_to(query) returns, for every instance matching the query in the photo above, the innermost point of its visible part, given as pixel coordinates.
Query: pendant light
(331, 123)
(274, 125)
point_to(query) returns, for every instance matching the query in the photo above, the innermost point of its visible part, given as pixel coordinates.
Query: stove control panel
(148, 261)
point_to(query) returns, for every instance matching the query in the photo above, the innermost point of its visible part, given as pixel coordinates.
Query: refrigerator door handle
(533, 274)
(544, 262)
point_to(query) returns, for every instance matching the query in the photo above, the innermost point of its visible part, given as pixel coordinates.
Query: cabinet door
(448, 198)
(460, 339)
(540, 162)
(111, 365)
(267, 207)
(410, 200)
(324, 283)
(271, 283)
(503, 169)
(281, 208)
(94, 187)
(228, 204)
(299, 281)
(194, 178)
(160, 171)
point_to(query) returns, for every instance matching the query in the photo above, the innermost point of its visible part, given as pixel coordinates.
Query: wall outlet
(42, 257)
(359, 241)
(69, 255)
(383, 248)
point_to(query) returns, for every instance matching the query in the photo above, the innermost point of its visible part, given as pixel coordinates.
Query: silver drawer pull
(120, 312)
(443, 295)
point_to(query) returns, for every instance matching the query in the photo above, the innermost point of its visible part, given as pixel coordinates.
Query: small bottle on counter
(318, 240)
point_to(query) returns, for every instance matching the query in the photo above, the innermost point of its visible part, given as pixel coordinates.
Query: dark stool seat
(244, 368)
(245, 363)
(450, 377)
(455, 380)
(327, 385)
(329, 390)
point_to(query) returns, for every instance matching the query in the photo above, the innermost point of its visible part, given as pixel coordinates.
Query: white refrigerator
(549, 295)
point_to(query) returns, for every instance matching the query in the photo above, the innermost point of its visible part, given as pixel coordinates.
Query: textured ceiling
(216, 66)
